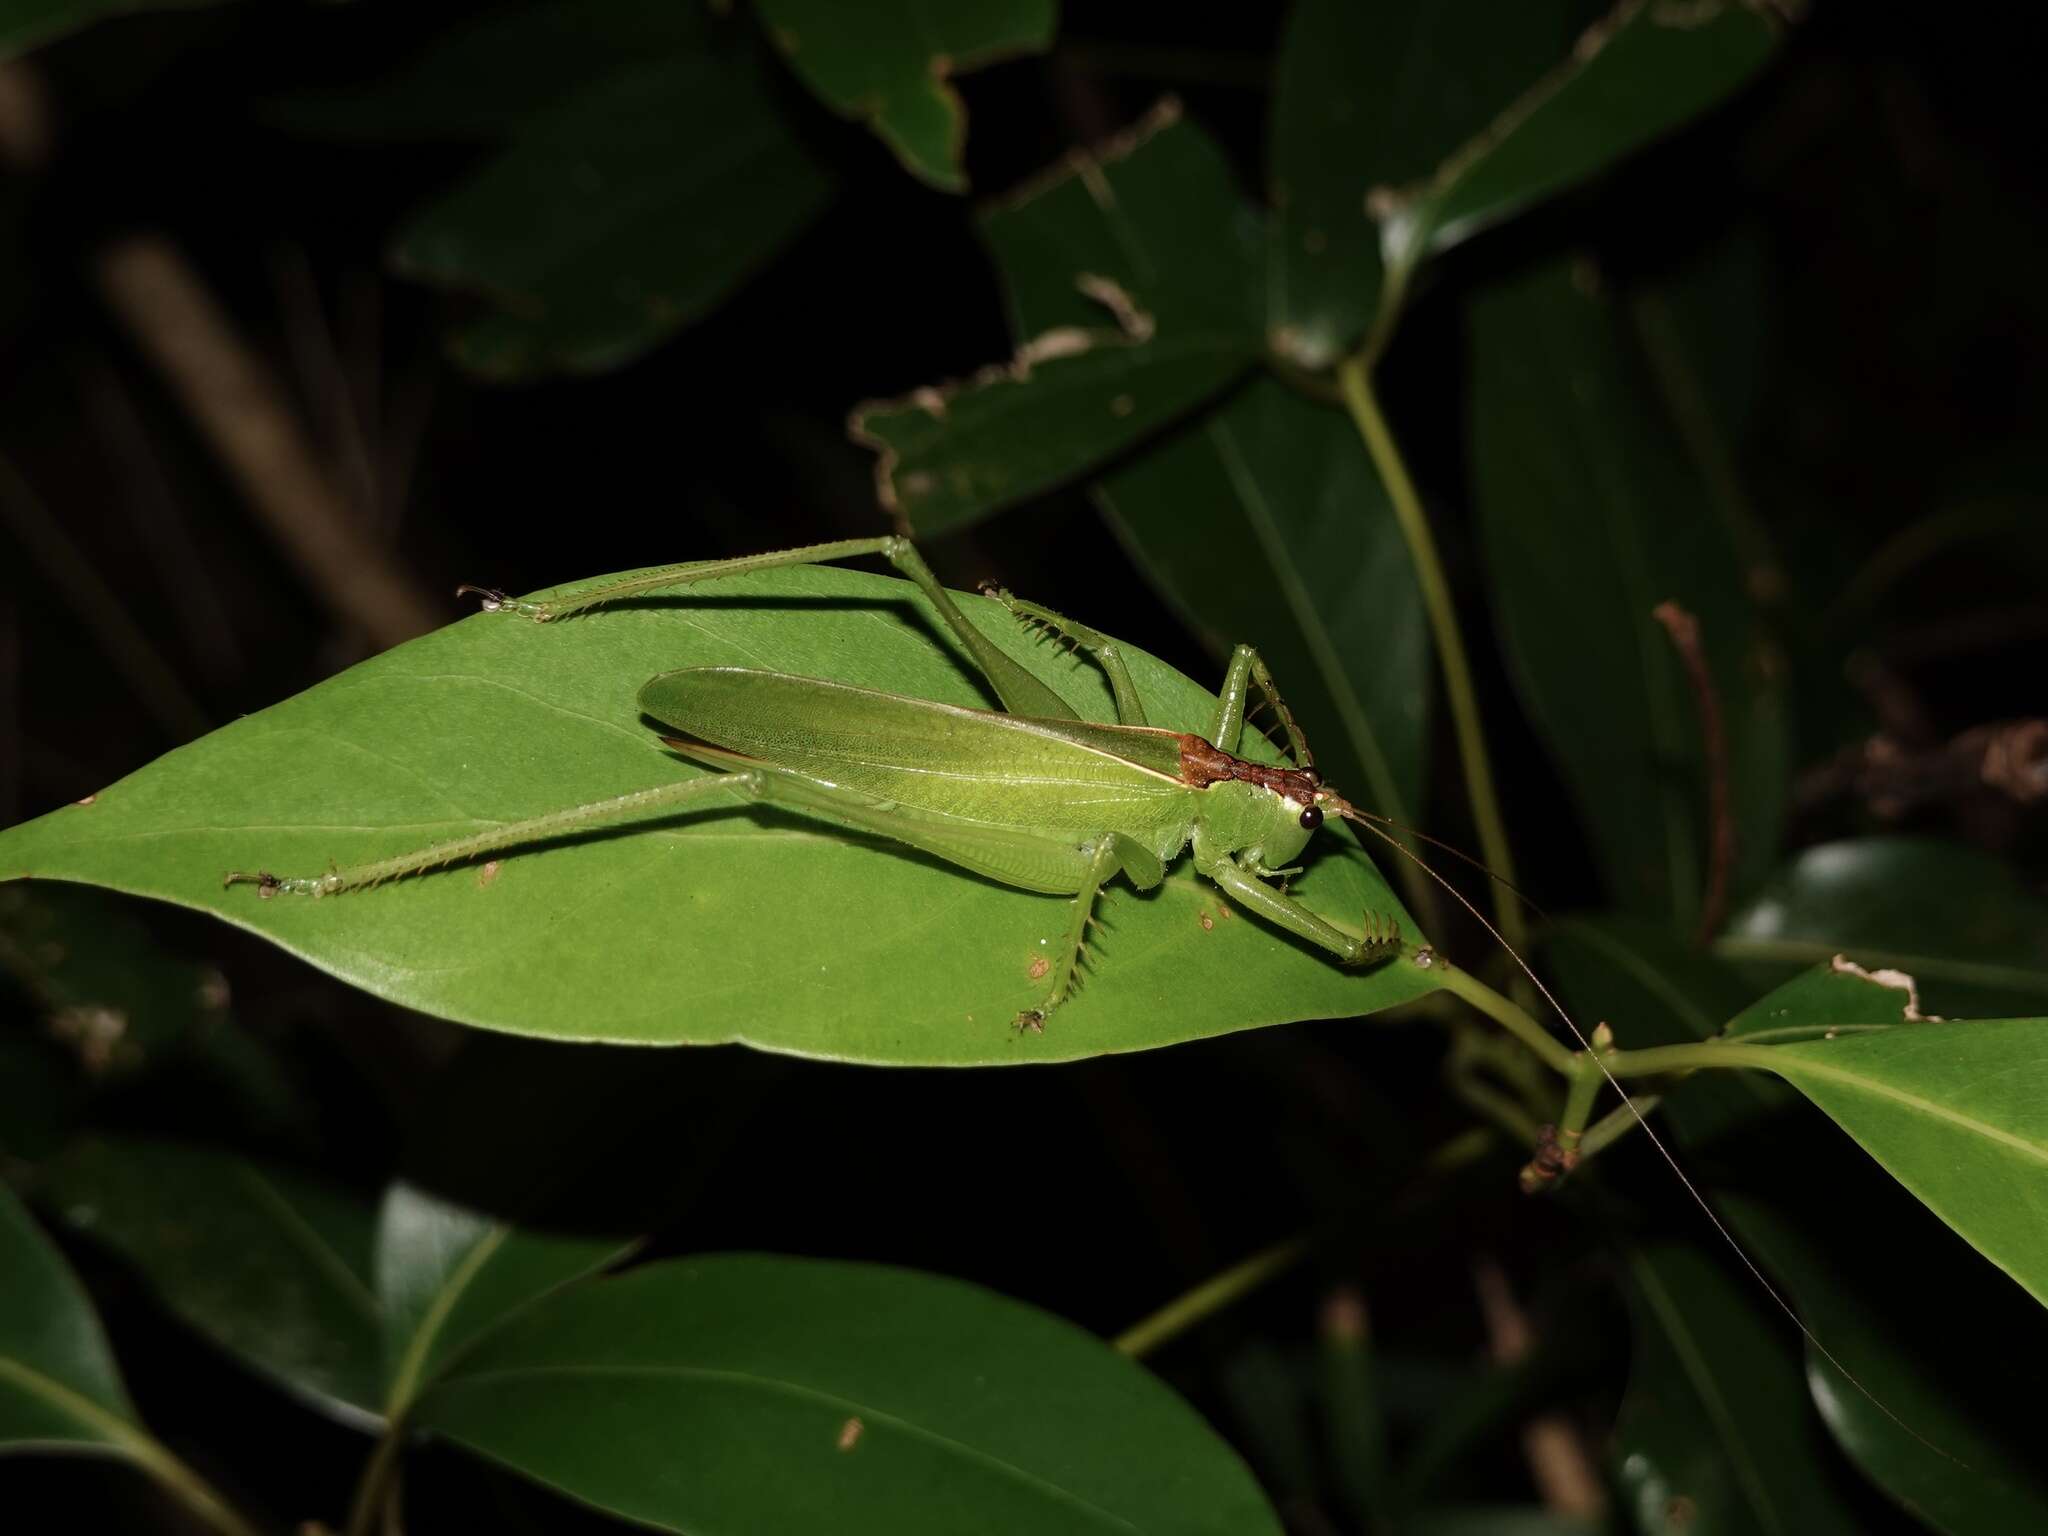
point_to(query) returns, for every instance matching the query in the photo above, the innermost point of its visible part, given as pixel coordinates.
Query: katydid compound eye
(1312, 817)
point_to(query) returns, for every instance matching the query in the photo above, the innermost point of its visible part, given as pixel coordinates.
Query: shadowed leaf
(758, 1393)
(1131, 281)
(1591, 518)
(892, 64)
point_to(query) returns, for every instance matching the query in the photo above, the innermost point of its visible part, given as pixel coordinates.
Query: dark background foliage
(1855, 239)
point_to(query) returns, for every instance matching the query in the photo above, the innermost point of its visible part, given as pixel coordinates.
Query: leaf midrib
(867, 1413)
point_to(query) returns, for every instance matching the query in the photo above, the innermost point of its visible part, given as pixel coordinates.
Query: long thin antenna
(1352, 813)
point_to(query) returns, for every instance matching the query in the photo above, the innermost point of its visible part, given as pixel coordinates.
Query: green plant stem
(1214, 1294)
(1617, 1123)
(377, 1473)
(188, 1487)
(148, 1453)
(1512, 1017)
(1211, 1296)
(1354, 382)
(1662, 1060)
(1586, 1084)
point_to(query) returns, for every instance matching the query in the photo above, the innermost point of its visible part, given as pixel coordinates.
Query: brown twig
(1684, 631)
(239, 405)
(1559, 1463)
(1893, 777)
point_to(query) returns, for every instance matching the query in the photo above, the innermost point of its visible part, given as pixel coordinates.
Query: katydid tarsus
(1032, 796)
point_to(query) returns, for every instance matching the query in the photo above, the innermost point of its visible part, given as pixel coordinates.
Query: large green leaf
(1928, 1413)
(892, 64)
(1132, 283)
(1715, 1437)
(723, 926)
(626, 208)
(1591, 518)
(58, 1385)
(790, 1395)
(1958, 1113)
(270, 1264)
(1370, 98)
(1967, 928)
(446, 1276)
(1266, 525)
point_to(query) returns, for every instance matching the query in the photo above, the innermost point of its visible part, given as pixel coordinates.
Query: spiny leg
(511, 834)
(1128, 710)
(1102, 864)
(1020, 692)
(1247, 669)
(1382, 936)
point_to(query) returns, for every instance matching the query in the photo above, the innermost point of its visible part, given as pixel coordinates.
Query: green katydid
(1032, 796)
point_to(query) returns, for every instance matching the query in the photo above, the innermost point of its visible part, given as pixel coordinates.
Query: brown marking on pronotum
(1202, 765)
(849, 1434)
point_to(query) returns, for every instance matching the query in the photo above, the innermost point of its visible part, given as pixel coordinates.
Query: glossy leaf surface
(271, 1265)
(892, 65)
(1855, 1252)
(601, 228)
(1715, 1436)
(1592, 518)
(58, 1385)
(760, 1393)
(1646, 69)
(723, 926)
(1958, 1113)
(1131, 281)
(1982, 949)
(446, 1276)
(1370, 98)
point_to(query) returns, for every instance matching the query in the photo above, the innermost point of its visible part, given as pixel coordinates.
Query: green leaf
(1967, 928)
(891, 64)
(1645, 70)
(605, 225)
(1266, 524)
(58, 1386)
(1368, 98)
(1715, 1437)
(1395, 137)
(28, 24)
(447, 1276)
(745, 1392)
(1856, 1253)
(1958, 1113)
(1132, 282)
(726, 926)
(1590, 519)
(271, 1265)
